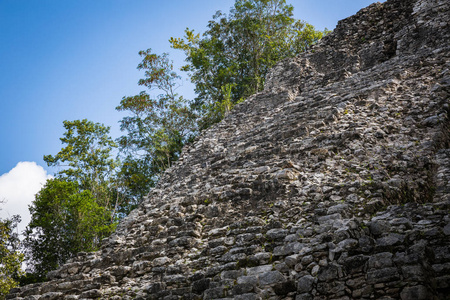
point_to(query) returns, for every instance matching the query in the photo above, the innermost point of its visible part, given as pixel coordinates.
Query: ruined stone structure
(332, 183)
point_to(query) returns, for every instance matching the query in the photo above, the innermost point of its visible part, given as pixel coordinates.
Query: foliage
(136, 179)
(64, 221)
(238, 50)
(157, 127)
(80, 207)
(86, 157)
(10, 258)
(216, 111)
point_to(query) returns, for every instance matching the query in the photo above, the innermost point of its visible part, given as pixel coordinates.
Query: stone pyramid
(332, 183)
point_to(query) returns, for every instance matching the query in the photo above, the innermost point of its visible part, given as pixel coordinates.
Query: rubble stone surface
(332, 183)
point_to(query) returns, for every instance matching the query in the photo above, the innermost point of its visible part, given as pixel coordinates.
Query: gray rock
(379, 227)
(252, 280)
(304, 296)
(392, 239)
(305, 284)
(214, 293)
(287, 249)
(54, 295)
(447, 229)
(160, 261)
(292, 260)
(315, 270)
(414, 273)
(249, 296)
(242, 288)
(339, 208)
(356, 264)
(328, 273)
(269, 278)
(329, 218)
(276, 234)
(200, 285)
(383, 275)
(91, 294)
(381, 260)
(259, 270)
(418, 292)
(431, 121)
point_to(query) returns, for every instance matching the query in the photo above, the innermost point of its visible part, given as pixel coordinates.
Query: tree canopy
(65, 220)
(86, 157)
(157, 127)
(236, 52)
(10, 257)
(76, 210)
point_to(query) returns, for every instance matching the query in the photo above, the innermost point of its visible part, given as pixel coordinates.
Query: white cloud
(18, 187)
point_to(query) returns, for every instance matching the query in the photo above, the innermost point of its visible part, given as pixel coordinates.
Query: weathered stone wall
(333, 183)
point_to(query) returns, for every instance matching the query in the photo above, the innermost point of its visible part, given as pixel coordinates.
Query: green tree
(64, 221)
(81, 206)
(157, 127)
(135, 179)
(87, 158)
(10, 258)
(238, 50)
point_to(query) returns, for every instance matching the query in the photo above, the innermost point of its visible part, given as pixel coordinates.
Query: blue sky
(76, 59)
